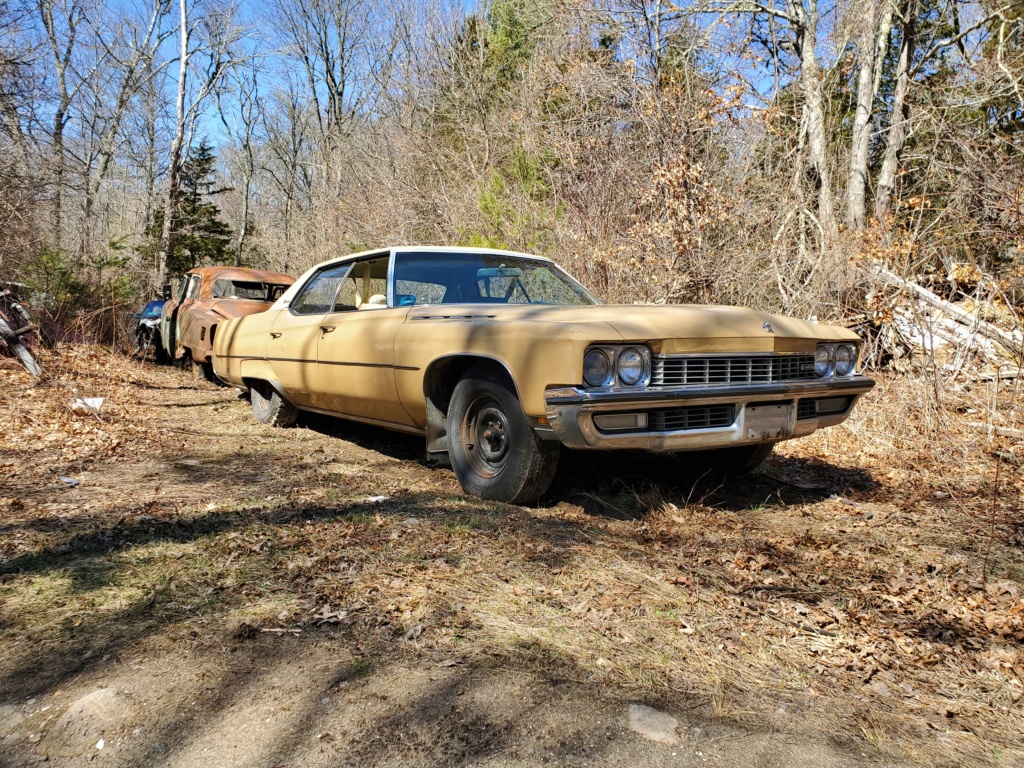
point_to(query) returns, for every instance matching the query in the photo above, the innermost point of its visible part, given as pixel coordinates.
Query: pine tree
(201, 238)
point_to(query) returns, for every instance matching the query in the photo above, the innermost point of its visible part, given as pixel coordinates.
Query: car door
(167, 316)
(356, 351)
(185, 321)
(296, 332)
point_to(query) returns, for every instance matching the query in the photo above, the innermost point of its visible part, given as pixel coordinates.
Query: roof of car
(429, 249)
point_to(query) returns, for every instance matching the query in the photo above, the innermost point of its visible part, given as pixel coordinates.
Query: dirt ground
(181, 586)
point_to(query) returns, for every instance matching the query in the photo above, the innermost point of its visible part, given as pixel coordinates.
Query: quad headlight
(846, 359)
(625, 366)
(631, 366)
(835, 360)
(597, 368)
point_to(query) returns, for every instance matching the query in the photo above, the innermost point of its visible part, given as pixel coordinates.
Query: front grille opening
(668, 371)
(811, 408)
(668, 419)
(693, 417)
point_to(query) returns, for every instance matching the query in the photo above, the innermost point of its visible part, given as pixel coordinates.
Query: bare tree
(62, 21)
(873, 44)
(242, 124)
(129, 49)
(209, 38)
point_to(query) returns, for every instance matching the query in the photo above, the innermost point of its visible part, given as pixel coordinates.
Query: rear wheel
(269, 407)
(494, 450)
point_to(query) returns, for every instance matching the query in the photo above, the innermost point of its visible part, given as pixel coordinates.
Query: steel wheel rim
(486, 436)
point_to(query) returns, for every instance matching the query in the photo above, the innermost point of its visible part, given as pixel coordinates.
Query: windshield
(152, 309)
(483, 278)
(244, 289)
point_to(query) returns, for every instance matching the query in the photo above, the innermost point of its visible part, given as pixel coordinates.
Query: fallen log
(1008, 340)
(992, 429)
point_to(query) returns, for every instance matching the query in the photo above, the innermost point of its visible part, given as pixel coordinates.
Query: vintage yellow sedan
(499, 359)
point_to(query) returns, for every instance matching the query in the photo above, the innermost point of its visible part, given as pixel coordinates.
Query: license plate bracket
(768, 422)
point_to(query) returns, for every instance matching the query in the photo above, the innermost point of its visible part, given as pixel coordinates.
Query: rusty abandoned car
(206, 297)
(499, 359)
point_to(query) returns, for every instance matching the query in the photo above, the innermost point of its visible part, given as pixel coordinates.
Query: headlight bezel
(845, 359)
(639, 366)
(835, 360)
(617, 357)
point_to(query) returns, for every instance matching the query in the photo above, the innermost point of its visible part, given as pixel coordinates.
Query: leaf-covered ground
(322, 595)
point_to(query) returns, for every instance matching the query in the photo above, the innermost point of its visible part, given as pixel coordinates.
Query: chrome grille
(687, 371)
(692, 417)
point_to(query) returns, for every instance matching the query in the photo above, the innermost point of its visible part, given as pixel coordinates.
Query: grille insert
(691, 371)
(826, 406)
(692, 417)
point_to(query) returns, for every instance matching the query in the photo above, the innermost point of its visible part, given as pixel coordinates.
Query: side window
(318, 295)
(182, 287)
(409, 292)
(366, 286)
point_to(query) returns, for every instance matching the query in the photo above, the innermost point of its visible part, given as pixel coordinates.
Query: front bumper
(758, 413)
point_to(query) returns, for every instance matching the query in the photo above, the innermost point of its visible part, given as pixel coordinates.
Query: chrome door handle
(326, 329)
(275, 334)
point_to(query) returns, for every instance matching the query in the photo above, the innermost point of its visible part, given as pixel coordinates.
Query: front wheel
(494, 450)
(741, 459)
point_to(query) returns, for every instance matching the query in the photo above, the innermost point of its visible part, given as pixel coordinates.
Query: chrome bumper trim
(570, 412)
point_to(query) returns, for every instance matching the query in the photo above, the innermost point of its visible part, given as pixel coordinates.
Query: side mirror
(166, 293)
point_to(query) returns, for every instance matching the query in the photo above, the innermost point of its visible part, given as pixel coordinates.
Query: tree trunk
(871, 51)
(900, 118)
(810, 82)
(243, 229)
(56, 220)
(174, 164)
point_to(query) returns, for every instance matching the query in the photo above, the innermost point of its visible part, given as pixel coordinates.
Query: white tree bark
(872, 47)
(174, 164)
(805, 22)
(899, 120)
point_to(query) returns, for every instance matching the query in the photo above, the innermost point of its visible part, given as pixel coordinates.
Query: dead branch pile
(918, 328)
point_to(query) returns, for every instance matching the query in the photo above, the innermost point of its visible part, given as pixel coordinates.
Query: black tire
(741, 459)
(142, 343)
(269, 407)
(201, 371)
(159, 353)
(494, 450)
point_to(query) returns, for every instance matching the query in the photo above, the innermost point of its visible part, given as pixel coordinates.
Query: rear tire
(493, 448)
(269, 407)
(202, 371)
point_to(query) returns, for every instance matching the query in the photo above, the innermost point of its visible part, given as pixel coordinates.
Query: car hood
(230, 308)
(669, 328)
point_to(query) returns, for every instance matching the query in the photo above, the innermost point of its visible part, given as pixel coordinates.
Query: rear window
(250, 290)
